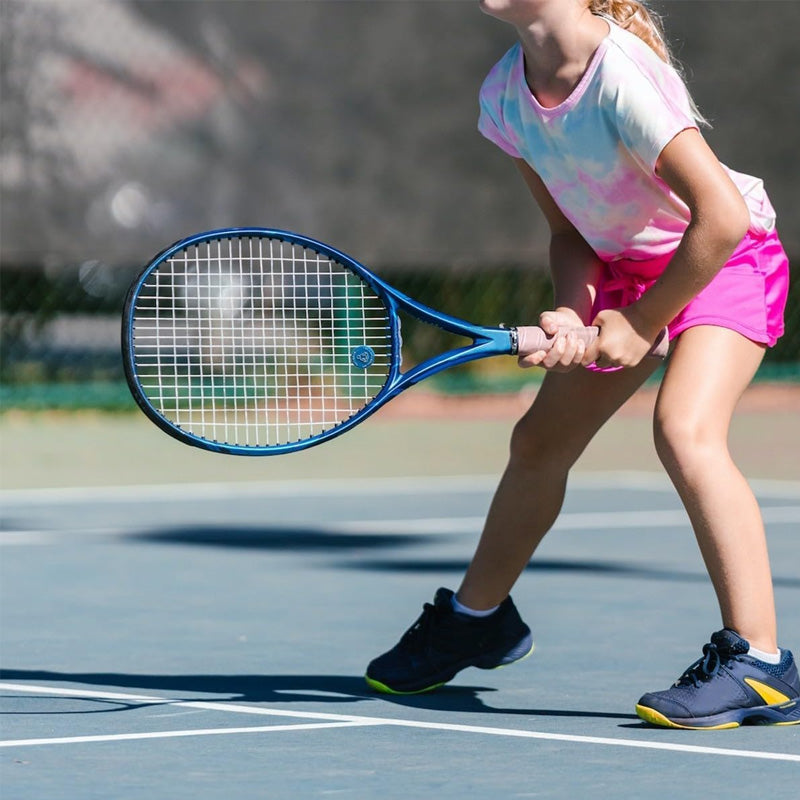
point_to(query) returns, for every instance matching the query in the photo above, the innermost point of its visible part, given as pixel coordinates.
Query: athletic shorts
(747, 295)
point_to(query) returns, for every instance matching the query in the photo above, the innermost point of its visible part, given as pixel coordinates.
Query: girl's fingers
(556, 352)
(567, 352)
(532, 359)
(548, 324)
(591, 353)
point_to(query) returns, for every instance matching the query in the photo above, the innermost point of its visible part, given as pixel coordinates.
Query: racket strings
(258, 342)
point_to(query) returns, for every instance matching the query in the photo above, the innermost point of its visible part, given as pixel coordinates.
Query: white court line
(321, 487)
(354, 721)
(634, 481)
(121, 737)
(572, 521)
(568, 521)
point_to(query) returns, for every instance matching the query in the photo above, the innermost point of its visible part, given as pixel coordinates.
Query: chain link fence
(127, 124)
(60, 333)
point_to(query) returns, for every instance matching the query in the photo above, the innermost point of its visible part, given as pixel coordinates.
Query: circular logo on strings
(362, 356)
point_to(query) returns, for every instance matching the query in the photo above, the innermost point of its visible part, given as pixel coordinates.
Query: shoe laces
(417, 634)
(706, 667)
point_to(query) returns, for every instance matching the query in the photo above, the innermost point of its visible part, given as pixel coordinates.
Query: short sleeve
(652, 108)
(493, 97)
(492, 130)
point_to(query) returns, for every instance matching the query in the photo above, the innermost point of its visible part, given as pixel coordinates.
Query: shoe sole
(780, 714)
(526, 645)
(384, 689)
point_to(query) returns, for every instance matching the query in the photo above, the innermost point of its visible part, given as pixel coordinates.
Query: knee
(535, 444)
(682, 440)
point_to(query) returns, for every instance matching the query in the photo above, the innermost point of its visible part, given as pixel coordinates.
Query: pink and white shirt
(596, 152)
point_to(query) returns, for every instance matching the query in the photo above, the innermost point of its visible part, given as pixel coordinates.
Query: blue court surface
(209, 641)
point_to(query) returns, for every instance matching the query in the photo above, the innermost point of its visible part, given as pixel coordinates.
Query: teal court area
(209, 640)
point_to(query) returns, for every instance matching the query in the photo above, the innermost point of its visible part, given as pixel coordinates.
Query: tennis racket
(252, 341)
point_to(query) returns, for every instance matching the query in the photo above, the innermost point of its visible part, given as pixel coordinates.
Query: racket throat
(490, 342)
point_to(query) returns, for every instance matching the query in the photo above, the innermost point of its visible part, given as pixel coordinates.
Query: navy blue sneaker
(442, 642)
(727, 688)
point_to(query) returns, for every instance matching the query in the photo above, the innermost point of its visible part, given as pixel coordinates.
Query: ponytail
(643, 22)
(638, 19)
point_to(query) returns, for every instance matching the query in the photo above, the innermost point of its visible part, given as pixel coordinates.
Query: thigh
(709, 369)
(571, 407)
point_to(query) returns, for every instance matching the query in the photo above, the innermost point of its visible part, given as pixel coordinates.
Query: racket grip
(531, 338)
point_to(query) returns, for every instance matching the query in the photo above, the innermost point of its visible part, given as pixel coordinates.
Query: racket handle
(530, 339)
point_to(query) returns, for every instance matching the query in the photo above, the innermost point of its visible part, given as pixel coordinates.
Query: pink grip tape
(531, 339)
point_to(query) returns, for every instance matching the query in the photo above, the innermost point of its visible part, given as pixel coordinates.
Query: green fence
(129, 123)
(59, 333)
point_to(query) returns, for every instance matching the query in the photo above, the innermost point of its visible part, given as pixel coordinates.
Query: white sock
(767, 658)
(471, 612)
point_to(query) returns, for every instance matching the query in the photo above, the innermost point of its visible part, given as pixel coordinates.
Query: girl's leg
(707, 374)
(567, 412)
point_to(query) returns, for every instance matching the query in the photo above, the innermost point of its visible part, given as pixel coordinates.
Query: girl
(647, 229)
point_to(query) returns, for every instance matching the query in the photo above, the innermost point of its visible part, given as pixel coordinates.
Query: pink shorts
(747, 295)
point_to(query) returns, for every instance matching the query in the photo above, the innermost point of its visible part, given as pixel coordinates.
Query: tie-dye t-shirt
(596, 152)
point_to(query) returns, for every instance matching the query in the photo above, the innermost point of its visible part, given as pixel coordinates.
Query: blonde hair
(645, 23)
(638, 19)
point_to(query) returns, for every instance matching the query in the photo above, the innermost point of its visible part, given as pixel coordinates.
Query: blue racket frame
(486, 341)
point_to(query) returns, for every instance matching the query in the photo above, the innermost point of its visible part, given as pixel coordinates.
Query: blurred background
(128, 124)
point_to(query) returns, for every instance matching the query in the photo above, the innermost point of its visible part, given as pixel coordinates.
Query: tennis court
(180, 624)
(191, 637)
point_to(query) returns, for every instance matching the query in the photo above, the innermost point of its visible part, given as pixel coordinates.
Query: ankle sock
(767, 658)
(471, 612)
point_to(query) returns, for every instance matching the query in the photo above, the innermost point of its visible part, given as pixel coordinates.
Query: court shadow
(641, 725)
(327, 689)
(58, 705)
(312, 540)
(249, 538)
(594, 567)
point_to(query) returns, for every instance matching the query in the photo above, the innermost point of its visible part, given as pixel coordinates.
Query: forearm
(575, 270)
(703, 251)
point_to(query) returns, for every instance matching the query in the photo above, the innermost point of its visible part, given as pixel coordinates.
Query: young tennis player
(648, 229)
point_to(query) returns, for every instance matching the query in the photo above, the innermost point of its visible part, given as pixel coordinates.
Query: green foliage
(41, 312)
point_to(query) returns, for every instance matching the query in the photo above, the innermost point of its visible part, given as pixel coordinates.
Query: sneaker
(727, 688)
(442, 642)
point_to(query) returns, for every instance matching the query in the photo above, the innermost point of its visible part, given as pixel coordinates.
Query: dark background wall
(129, 123)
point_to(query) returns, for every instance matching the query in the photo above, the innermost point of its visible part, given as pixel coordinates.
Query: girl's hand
(567, 351)
(623, 341)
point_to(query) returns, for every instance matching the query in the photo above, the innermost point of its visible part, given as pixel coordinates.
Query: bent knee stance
(537, 445)
(685, 443)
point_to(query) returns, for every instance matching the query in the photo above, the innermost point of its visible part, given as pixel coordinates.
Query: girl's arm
(719, 221)
(574, 266)
(575, 270)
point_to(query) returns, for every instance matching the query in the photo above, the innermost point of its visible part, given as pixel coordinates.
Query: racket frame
(486, 341)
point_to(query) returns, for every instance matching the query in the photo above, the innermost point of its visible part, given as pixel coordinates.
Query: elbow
(734, 222)
(729, 221)
(739, 222)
